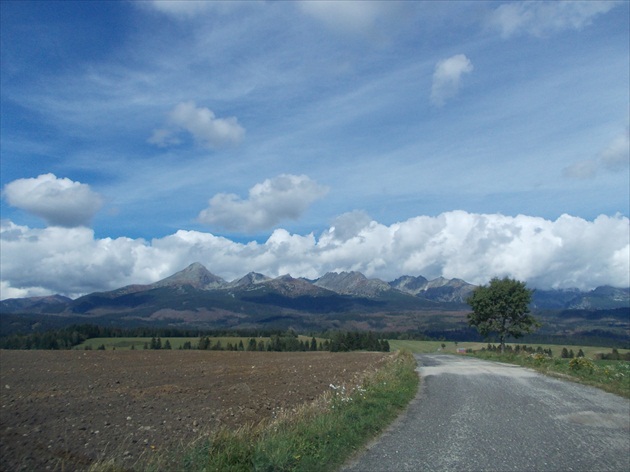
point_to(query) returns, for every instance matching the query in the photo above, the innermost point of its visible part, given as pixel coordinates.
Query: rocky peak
(195, 275)
(439, 289)
(290, 287)
(439, 282)
(253, 278)
(410, 284)
(352, 283)
(601, 298)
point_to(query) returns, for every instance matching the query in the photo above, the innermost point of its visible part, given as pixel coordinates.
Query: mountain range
(346, 300)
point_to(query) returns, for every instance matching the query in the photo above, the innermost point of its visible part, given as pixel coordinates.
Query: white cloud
(164, 138)
(6, 291)
(567, 252)
(347, 16)
(69, 261)
(614, 158)
(617, 155)
(189, 8)
(544, 18)
(202, 124)
(447, 77)
(270, 202)
(349, 225)
(59, 201)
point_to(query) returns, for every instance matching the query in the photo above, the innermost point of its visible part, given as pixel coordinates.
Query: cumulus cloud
(349, 225)
(270, 202)
(447, 77)
(202, 124)
(544, 18)
(566, 252)
(614, 158)
(59, 201)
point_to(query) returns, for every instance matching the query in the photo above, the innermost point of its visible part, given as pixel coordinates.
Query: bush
(581, 363)
(539, 358)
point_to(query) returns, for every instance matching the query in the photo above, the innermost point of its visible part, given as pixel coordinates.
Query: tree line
(288, 342)
(70, 336)
(518, 349)
(280, 341)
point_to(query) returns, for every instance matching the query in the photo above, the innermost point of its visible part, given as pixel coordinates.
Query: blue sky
(131, 125)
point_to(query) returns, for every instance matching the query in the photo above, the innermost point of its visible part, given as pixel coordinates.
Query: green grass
(176, 343)
(319, 436)
(138, 343)
(611, 376)
(424, 347)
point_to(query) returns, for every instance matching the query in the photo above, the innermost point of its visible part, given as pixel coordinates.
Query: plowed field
(62, 410)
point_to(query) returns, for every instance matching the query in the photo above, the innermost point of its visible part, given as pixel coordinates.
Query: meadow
(128, 343)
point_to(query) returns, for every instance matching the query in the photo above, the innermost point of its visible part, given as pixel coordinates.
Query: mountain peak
(352, 283)
(195, 275)
(440, 289)
(291, 287)
(253, 278)
(410, 284)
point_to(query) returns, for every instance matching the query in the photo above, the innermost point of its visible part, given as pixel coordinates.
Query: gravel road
(473, 415)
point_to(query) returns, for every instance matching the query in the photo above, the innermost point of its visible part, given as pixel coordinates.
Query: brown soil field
(64, 410)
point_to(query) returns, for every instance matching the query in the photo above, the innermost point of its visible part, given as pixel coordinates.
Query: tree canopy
(502, 307)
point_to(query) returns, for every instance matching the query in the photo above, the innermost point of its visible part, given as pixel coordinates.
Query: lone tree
(502, 307)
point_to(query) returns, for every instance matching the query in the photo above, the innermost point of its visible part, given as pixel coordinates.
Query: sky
(455, 139)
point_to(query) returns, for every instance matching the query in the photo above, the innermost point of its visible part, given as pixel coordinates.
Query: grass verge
(319, 436)
(611, 376)
(450, 347)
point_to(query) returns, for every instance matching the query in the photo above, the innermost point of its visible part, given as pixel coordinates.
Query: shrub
(581, 363)
(539, 358)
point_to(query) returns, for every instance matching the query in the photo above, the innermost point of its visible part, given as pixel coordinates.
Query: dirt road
(473, 415)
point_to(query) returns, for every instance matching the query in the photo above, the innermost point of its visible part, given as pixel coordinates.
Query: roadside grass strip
(611, 376)
(319, 436)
